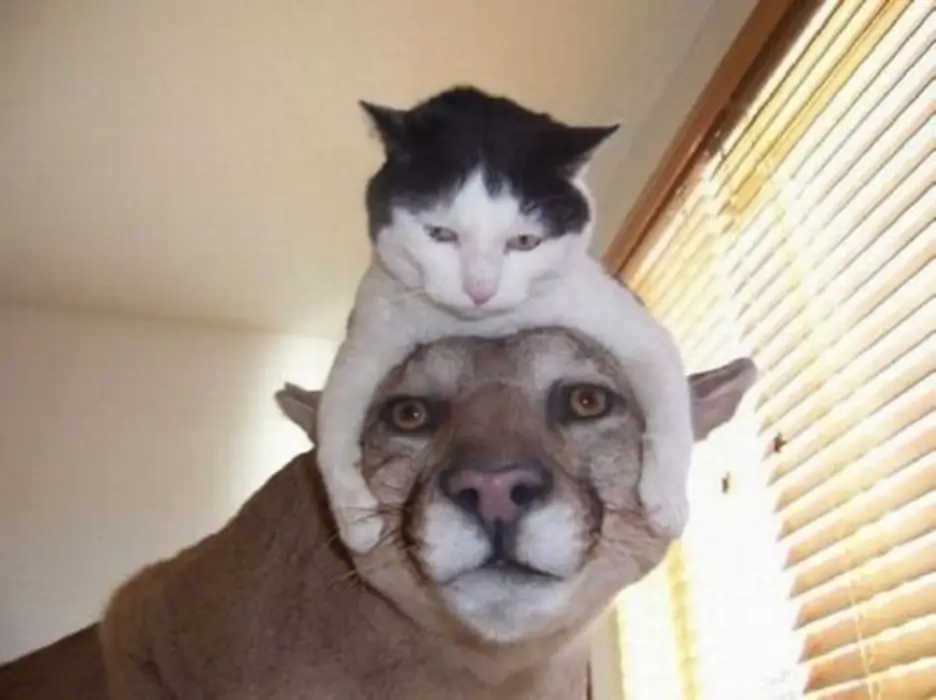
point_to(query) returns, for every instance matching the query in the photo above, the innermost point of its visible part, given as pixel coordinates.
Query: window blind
(804, 237)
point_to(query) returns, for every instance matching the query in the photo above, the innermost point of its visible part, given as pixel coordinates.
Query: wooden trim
(771, 27)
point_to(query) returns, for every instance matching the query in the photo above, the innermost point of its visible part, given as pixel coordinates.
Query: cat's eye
(440, 234)
(410, 415)
(523, 242)
(586, 402)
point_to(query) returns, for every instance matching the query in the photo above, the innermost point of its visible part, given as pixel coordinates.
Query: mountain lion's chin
(506, 606)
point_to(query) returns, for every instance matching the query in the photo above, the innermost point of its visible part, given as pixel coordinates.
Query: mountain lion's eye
(586, 402)
(525, 241)
(440, 234)
(408, 415)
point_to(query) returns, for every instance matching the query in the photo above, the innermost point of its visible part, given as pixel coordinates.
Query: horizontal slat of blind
(810, 239)
(812, 393)
(778, 76)
(907, 209)
(863, 125)
(669, 241)
(820, 567)
(898, 375)
(810, 98)
(813, 133)
(891, 292)
(692, 250)
(879, 202)
(882, 75)
(801, 478)
(759, 268)
(794, 91)
(892, 464)
(901, 555)
(907, 602)
(859, 502)
(843, 235)
(914, 681)
(894, 647)
(854, 437)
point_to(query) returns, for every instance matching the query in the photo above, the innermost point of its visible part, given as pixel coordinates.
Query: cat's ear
(390, 125)
(571, 147)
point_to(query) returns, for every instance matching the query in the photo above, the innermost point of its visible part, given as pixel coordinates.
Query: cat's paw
(662, 493)
(358, 518)
(353, 505)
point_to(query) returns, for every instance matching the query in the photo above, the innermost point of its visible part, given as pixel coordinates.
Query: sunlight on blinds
(805, 238)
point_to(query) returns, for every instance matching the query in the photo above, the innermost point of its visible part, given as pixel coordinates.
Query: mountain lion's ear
(390, 125)
(300, 406)
(717, 393)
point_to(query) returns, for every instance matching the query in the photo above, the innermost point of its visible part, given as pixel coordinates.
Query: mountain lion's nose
(500, 496)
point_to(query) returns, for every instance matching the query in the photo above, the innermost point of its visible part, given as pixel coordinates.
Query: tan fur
(272, 608)
(70, 668)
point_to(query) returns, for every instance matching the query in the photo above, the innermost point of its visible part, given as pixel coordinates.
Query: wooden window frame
(763, 40)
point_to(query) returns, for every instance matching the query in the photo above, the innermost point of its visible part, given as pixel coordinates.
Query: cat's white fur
(418, 290)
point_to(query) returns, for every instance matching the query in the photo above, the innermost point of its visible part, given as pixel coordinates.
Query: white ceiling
(205, 159)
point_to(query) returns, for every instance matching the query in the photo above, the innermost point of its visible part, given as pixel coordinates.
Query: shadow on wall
(121, 442)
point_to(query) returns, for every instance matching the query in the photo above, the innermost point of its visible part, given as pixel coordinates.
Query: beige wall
(122, 441)
(210, 155)
(631, 167)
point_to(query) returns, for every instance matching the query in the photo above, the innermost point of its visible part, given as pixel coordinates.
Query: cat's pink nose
(480, 294)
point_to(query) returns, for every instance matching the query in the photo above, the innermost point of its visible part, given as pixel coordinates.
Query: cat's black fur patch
(432, 148)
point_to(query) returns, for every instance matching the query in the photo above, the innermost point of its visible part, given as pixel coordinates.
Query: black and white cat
(481, 225)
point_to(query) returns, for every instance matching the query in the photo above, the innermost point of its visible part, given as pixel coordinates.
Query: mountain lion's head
(506, 470)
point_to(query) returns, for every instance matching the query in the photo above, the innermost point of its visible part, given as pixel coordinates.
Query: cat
(481, 223)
